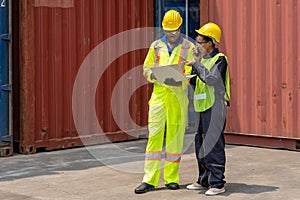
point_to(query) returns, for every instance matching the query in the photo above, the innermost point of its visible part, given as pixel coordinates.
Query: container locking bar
(6, 37)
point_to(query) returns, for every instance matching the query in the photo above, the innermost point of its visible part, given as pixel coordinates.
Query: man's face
(172, 36)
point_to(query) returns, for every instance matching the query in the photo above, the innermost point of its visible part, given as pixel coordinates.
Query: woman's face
(204, 44)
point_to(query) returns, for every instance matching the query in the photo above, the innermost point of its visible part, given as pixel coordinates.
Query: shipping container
(262, 41)
(57, 42)
(77, 69)
(6, 144)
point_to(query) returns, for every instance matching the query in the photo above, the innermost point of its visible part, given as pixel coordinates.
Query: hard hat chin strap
(214, 41)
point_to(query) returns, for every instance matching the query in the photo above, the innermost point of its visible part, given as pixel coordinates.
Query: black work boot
(143, 188)
(172, 186)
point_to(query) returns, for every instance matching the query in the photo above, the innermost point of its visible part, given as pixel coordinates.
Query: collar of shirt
(213, 53)
(164, 39)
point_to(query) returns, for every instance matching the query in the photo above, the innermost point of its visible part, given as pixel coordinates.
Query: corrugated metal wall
(262, 41)
(6, 142)
(55, 38)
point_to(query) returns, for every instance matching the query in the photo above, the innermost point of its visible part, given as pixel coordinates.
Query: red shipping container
(55, 39)
(262, 41)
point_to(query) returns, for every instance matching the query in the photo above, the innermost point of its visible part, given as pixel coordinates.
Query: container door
(5, 137)
(190, 12)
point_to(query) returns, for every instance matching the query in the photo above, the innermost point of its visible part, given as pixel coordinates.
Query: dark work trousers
(210, 146)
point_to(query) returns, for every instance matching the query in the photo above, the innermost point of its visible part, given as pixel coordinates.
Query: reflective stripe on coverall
(167, 109)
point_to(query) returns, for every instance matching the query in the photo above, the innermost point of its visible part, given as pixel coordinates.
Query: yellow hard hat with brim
(211, 30)
(172, 20)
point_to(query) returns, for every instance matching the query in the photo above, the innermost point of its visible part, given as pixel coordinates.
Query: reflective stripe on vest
(156, 52)
(183, 53)
(153, 155)
(170, 157)
(204, 96)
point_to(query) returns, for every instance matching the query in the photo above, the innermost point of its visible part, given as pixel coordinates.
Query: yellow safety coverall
(167, 109)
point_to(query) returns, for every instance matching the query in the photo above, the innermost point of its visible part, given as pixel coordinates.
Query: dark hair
(180, 28)
(208, 39)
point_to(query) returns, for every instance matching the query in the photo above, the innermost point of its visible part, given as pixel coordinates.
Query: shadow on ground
(248, 189)
(242, 188)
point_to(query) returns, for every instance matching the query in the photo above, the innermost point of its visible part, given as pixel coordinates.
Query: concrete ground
(112, 171)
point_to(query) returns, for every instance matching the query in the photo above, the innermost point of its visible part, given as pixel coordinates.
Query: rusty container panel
(56, 38)
(262, 41)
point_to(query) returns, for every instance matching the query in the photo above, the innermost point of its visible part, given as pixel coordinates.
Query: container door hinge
(6, 37)
(7, 138)
(6, 88)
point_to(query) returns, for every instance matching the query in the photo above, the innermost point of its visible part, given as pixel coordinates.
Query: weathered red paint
(55, 38)
(27, 71)
(262, 41)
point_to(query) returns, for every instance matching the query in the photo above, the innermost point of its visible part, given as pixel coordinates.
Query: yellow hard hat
(211, 30)
(172, 20)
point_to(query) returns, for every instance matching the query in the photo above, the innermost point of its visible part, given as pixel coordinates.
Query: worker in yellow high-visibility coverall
(167, 106)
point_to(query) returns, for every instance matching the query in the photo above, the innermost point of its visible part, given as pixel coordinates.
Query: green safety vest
(204, 95)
